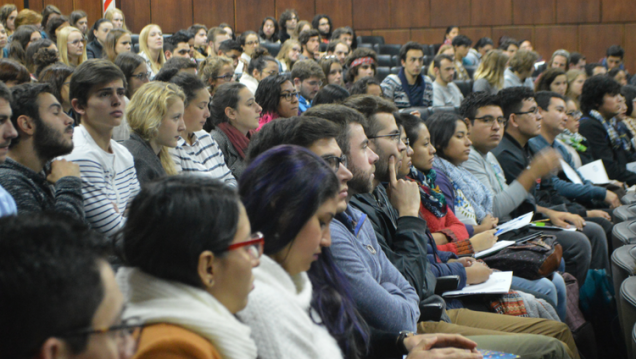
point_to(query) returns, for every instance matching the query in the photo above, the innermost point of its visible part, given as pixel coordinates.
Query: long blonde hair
(62, 45)
(111, 12)
(572, 75)
(146, 111)
(155, 64)
(492, 68)
(283, 54)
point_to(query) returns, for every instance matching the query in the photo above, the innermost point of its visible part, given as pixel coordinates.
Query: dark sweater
(33, 193)
(147, 163)
(94, 50)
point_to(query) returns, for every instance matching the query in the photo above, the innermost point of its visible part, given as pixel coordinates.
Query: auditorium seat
(370, 40)
(382, 72)
(633, 344)
(425, 112)
(623, 267)
(465, 86)
(429, 50)
(627, 315)
(396, 60)
(443, 109)
(625, 212)
(396, 70)
(135, 48)
(470, 70)
(385, 60)
(272, 48)
(624, 233)
(134, 39)
(389, 49)
(629, 198)
(368, 46)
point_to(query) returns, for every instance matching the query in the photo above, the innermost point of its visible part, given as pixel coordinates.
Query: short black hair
(616, 51)
(507, 43)
(268, 92)
(5, 92)
(230, 45)
(341, 116)
(629, 92)
(370, 105)
(330, 94)
(594, 89)
(178, 37)
(442, 127)
(300, 131)
(575, 57)
(360, 87)
(484, 41)
(50, 281)
(462, 40)
(410, 123)
(411, 45)
(437, 60)
(25, 103)
(305, 35)
(476, 100)
(339, 32)
(511, 99)
(172, 67)
(544, 98)
(613, 72)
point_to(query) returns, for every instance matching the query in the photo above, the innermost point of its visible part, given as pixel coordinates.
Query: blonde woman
(215, 71)
(489, 76)
(71, 46)
(288, 55)
(117, 41)
(117, 17)
(151, 48)
(155, 116)
(576, 79)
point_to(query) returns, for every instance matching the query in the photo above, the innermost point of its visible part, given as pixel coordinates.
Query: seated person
(109, 179)
(409, 88)
(520, 71)
(339, 49)
(461, 45)
(308, 77)
(7, 133)
(331, 94)
(155, 116)
(177, 45)
(366, 86)
(175, 66)
(261, 66)
(178, 301)
(445, 92)
(59, 293)
(571, 139)
(277, 97)
(36, 181)
(361, 62)
(196, 150)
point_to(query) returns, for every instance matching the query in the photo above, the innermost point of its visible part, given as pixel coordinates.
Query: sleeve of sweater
(388, 88)
(438, 96)
(578, 192)
(481, 85)
(601, 148)
(398, 300)
(69, 198)
(505, 201)
(444, 269)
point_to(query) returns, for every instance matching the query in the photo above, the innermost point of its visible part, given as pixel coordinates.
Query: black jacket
(94, 50)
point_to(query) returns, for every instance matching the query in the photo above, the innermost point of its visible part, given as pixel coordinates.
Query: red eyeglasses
(254, 245)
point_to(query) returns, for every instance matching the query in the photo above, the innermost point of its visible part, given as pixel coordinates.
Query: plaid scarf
(432, 197)
(609, 127)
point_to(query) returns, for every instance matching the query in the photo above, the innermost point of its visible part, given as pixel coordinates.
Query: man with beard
(7, 132)
(307, 76)
(30, 174)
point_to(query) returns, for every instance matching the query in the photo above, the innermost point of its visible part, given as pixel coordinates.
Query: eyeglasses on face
(251, 43)
(335, 161)
(534, 112)
(142, 76)
(127, 334)
(394, 136)
(490, 120)
(254, 246)
(288, 96)
(314, 83)
(227, 77)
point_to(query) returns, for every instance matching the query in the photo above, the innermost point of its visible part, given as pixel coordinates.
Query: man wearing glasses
(307, 76)
(59, 296)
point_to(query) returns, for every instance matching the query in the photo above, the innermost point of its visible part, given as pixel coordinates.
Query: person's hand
(466, 261)
(62, 168)
(483, 240)
(545, 162)
(600, 214)
(489, 222)
(612, 199)
(441, 346)
(565, 219)
(477, 273)
(404, 195)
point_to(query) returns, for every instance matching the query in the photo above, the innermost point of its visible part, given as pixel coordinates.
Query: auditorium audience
(409, 88)
(360, 63)
(278, 99)
(97, 38)
(13, 73)
(346, 35)
(151, 48)
(477, 53)
(58, 76)
(261, 66)
(614, 58)
(249, 42)
(445, 92)
(48, 55)
(461, 45)
(571, 139)
(54, 26)
(451, 32)
(31, 174)
(366, 86)
(310, 43)
(618, 75)
(215, 71)
(117, 42)
(28, 17)
(216, 36)
(79, 19)
(288, 21)
(72, 47)
(489, 76)
(521, 67)
(332, 69)
(288, 55)
(553, 79)
(577, 61)
(117, 17)
(269, 31)
(308, 79)
(323, 24)
(339, 49)
(21, 39)
(510, 47)
(330, 94)
(178, 45)
(576, 78)
(199, 34)
(7, 133)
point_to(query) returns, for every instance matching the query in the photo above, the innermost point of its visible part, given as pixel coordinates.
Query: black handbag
(534, 259)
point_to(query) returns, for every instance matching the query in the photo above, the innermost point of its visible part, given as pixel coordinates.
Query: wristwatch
(400, 341)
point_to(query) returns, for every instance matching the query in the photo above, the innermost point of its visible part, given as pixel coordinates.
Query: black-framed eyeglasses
(227, 77)
(142, 76)
(394, 136)
(128, 333)
(290, 95)
(335, 161)
(534, 112)
(490, 120)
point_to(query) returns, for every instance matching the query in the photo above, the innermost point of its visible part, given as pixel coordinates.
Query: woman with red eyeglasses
(189, 250)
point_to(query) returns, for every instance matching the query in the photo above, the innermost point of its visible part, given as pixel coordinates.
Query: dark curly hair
(594, 89)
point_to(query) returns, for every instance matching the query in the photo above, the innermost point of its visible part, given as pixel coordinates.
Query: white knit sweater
(278, 314)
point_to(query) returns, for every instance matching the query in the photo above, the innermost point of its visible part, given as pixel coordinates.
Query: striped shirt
(202, 157)
(109, 181)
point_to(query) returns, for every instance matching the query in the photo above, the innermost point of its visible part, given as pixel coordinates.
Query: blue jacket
(573, 191)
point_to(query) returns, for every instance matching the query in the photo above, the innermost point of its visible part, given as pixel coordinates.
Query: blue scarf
(432, 197)
(414, 92)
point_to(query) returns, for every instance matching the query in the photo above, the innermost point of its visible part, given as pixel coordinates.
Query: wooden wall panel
(548, 39)
(137, 14)
(36, 5)
(18, 3)
(340, 11)
(394, 36)
(371, 14)
(491, 12)
(630, 47)
(577, 11)
(92, 8)
(450, 12)
(408, 14)
(428, 36)
(65, 6)
(595, 39)
(213, 12)
(518, 33)
(618, 10)
(533, 12)
(171, 15)
(306, 9)
(476, 33)
(250, 13)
